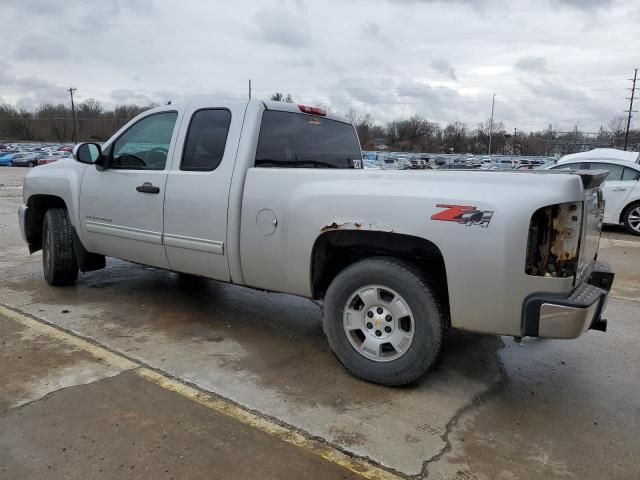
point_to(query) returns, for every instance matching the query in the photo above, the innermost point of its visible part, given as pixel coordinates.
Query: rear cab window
(298, 140)
(206, 140)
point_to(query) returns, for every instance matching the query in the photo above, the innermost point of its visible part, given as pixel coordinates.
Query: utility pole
(249, 89)
(515, 136)
(493, 102)
(633, 91)
(73, 113)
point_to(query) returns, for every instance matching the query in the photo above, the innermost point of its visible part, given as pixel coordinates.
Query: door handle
(146, 187)
(619, 189)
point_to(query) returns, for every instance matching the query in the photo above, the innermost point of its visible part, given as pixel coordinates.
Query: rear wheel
(30, 164)
(58, 258)
(383, 321)
(631, 218)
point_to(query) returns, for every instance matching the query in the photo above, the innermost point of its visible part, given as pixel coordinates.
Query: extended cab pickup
(271, 195)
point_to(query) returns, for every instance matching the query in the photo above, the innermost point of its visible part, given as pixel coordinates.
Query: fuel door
(266, 221)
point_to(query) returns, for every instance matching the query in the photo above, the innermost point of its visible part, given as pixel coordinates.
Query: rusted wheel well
(335, 250)
(38, 206)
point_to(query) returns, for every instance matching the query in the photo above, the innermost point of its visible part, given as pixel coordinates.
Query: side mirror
(87, 152)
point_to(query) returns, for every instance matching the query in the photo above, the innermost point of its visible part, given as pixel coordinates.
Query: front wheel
(383, 321)
(58, 258)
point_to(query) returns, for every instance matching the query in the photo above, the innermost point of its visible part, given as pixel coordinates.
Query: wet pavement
(491, 409)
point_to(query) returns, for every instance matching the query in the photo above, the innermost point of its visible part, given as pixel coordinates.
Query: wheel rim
(634, 219)
(378, 323)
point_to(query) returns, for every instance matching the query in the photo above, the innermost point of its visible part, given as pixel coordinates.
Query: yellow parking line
(359, 466)
(54, 332)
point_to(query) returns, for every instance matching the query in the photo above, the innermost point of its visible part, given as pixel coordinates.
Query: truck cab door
(197, 192)
(121, 206)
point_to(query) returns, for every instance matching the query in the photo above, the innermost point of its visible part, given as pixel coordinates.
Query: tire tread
(65, 266)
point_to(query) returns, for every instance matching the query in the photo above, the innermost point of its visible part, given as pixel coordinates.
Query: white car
(621, 188)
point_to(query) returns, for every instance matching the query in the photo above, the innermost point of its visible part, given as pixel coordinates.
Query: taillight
(312, 110)
(554, 240)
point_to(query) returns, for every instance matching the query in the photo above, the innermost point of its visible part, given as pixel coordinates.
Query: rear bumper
(551, 315)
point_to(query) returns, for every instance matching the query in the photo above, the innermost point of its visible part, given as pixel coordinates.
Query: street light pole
(493, 103)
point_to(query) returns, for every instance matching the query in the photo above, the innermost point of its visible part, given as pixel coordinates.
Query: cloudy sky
(560, 62)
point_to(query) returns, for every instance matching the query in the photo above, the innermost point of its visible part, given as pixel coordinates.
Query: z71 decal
(464, 214)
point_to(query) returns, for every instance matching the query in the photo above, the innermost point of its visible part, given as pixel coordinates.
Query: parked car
(388, 163)
(439, 161)
(504, 164)
(527, 166)
(49, 159)
(603, 154)
(27, 159)
(7, 160)
(370, 164)
(621, 189)
(193, 189)
(458, 166)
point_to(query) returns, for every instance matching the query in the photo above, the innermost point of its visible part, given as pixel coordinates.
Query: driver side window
(145, 145)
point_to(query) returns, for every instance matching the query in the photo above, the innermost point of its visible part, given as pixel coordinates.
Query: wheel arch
(336, 249)
(38, 205)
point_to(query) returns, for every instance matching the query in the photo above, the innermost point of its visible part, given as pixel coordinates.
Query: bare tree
(412, 134)
(496, 131)
(53, 120)
(281, 97)
(617, 127)
(455, 138)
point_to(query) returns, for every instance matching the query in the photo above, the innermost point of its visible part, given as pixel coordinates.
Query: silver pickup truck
(272, 196)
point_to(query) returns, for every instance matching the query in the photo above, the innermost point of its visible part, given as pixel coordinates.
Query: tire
(384, 282)
(58, 258)
(631, 218)
(30, 165)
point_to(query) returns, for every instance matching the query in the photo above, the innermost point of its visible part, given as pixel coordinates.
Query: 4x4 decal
(464, 214)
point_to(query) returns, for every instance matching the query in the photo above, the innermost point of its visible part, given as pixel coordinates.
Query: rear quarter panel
(485, 266)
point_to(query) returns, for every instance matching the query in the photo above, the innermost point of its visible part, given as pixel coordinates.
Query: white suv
(621, 189)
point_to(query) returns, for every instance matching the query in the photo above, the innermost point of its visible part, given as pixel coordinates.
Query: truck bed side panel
(484, 264)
